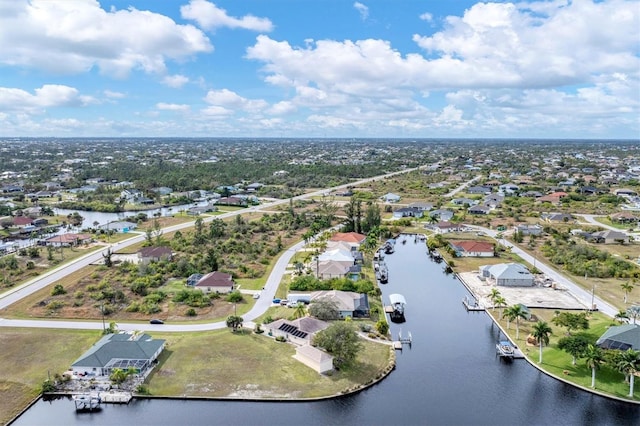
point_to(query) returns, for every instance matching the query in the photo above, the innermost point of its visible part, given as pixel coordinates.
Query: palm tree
(633, 311)
(621, 316)
(593, 357)
(301, 310)
(515, 312)
(541, 332)
(627, 287)
(495, 293)
(500, 302)
(628, 364)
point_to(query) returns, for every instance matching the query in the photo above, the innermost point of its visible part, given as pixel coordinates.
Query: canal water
(449, 376)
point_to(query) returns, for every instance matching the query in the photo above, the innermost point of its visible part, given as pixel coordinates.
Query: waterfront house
(354, 239)
(215, 282)
(314, 358)
(119, 226)
(507, 274)
(299, 331)
(622, 337)
(349, 303)
(473, 248)
(121, 350)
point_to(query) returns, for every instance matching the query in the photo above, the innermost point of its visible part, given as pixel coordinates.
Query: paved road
(586, 297)
(461, 187)
(262, 304)
(591, 220)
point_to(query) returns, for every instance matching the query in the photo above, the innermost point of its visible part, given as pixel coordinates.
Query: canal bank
(476, 287)
(449, 376)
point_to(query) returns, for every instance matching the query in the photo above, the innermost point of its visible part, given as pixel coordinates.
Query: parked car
(156, 321)
(276, 301)
(293, 304)
(256, 295)
(284, 302)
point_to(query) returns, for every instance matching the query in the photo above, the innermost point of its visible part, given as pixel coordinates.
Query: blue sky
(330, 68)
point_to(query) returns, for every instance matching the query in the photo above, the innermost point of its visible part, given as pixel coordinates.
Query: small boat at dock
(505, 349)
(87, 402)
(398, 303)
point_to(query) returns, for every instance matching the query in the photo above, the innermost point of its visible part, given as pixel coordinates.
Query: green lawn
(224, 364)
(28, 356)
(559, 363)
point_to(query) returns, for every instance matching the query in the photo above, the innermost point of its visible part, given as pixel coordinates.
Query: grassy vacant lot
(558, 362)
(26, 357)
(224, 364)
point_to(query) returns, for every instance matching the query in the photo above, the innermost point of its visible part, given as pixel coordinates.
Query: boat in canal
(398, 303)
(505, 349)
(382, 273)
(87, 402)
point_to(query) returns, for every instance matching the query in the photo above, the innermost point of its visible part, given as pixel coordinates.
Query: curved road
(261, 305)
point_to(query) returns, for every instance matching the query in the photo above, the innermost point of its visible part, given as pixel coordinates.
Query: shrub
(57, 290)
(191, 312)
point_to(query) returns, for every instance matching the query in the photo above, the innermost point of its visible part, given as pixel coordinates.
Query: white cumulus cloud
(210, 17)
(76, 36)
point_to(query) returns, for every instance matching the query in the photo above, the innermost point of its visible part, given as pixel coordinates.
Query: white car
(256, 295)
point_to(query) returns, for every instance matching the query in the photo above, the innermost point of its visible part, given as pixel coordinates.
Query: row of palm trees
(626, 362)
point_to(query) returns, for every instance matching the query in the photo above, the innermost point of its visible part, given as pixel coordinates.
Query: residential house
(625, 192)
(463, 201)
(198, 210)
(314, 358)
(509, 188)
(154, 254)
(299, 331)
(507, 274)
(444, 215)
(216, 282)
(407, 212)
(232, 201)
(120, 226)
(609, 237)
(557, 217)
(425, 207)
(349, 304)
(22, 221)
(526, 229)
(624, 217)
(478, 190)
(445, 227)
(390, 198)
(479, 210)
(68, 240)
(354, 239)
(120, 350)
(553, 198)
(621, 337)
(473, 248)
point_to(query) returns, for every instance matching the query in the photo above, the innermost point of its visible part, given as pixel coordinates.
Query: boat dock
(471, 305)
(116, 397)
(505, 349)
(402, 341)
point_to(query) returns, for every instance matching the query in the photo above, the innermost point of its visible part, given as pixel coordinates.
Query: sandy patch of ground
(532, 297)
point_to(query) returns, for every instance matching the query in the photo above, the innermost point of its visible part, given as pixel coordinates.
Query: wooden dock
(471, 306)
(116, 397)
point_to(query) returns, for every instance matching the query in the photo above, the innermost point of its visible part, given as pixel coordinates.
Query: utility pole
(102, 310)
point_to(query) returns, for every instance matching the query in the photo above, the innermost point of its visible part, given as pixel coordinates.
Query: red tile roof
(474, 246)
(349, 237)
